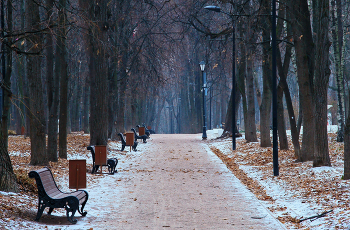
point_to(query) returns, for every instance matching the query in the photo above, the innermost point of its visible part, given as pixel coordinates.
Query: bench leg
(72, 206)
(50, 211)
(41, 207)
(81, 210)
(94, 168)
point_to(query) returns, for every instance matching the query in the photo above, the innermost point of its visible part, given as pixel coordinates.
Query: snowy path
(175, 183)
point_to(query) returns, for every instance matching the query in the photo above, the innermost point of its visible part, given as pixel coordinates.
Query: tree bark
(52, 91)
(322, 73)
(250, 121)
(241, 89)
(265, 107)
(281, 126)
(121, 104)
(98, 75)
(7, 94)
(62, 74)
(282, 69)
(337, 35)
(346, 149)
(304, 49)
(36, 103)
(84, 5)
(8, 180)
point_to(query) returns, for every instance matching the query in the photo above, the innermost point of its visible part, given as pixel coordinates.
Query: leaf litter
(300, 191)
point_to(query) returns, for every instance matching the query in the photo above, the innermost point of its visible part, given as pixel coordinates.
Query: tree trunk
(7, 94)
(346, 149)
(8, 180)
(228, 120)
(121, 105)
(198, 101)
(322, 73)
(281, 126)
(241, 79)
(62, 74)
(52, 91)
(282, 69)
(304, 49)
(98, 76)
(112, 97)
(250, 122)
(86, 106)
(265, 108)
(36, 103)
(337, 35)
(84, 5)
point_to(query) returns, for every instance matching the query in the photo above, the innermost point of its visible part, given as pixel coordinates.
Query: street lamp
(274, 82)
(202, 65)
(218, 9)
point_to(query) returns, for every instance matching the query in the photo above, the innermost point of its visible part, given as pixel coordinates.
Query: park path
(176, 182)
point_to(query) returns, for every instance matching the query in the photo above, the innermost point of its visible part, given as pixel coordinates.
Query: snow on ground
(288, 202)
(285, 201)
(98, 187)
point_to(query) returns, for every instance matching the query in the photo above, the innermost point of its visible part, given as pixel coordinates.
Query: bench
(50, 196)
(111, 163)
(122, 139)
(94, 166)
(143, 137)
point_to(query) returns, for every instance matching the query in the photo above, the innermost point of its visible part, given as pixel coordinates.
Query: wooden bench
(50, 196)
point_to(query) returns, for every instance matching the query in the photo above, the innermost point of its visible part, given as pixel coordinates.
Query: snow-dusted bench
(50, 196)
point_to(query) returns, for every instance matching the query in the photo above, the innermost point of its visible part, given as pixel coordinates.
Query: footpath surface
(176, 183)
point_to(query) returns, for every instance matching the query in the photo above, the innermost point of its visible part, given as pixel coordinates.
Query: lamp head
(213, 8)
(202, 65)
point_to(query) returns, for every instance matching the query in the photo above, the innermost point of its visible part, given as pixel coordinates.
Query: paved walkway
(178, 183)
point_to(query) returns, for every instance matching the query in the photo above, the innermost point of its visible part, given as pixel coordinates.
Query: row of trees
(94, 65)
(106, 66)
(304, 55)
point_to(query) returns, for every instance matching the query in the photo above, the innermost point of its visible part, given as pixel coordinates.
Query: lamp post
(218, 9)
(202, 65)
(3, 59)
(274, 82)
(210, 100)
(179, 116)
(274, 92)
